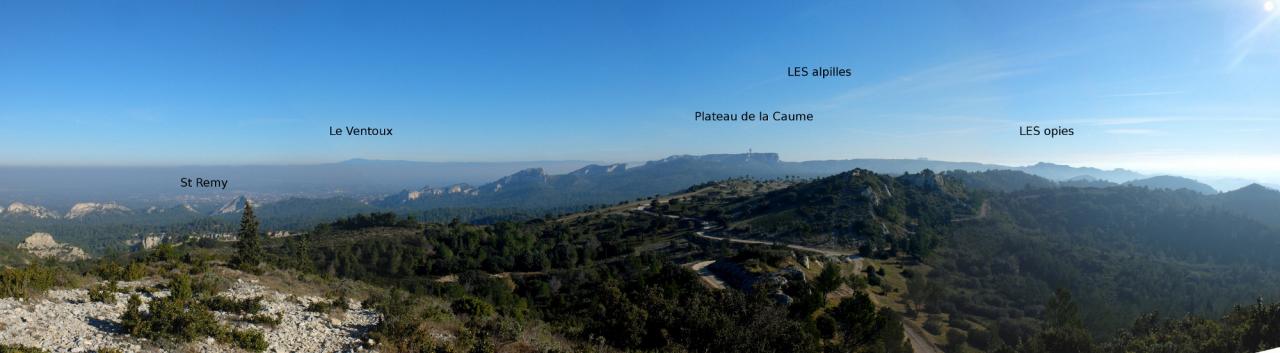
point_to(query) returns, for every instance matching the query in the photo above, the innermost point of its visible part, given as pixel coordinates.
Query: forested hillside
(612, 276)
(981, 263)
(853, 262)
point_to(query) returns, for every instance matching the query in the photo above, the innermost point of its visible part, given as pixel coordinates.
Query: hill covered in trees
(981, 263)
(858, 262)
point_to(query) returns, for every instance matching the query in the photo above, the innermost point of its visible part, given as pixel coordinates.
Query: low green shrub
(27, 281)
(233, 306)
(472, 306)
(250, 340)
(933, 326)
(104, 293)
(183, 317)
(113, 271)
(6, 348)
(265, 320)
(337, 304)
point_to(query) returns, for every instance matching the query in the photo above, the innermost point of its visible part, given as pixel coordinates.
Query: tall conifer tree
(249, 247)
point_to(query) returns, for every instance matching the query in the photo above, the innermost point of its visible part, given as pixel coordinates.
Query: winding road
(915, 336)
(795, 247)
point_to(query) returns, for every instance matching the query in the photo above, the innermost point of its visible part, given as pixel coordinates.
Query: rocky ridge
(18, 208)
(89, 208)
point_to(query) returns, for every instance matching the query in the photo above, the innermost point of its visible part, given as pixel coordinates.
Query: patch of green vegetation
(888, 215)
(264, 319)
(36, 278)
(329, 306)
(13, 348)
(472, 306)
(1122, 252)
(183, 317)
(113, 271)
(105, 293)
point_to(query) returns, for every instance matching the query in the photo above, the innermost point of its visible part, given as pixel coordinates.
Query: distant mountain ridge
(142, 187)
(595, 184)
(558, 188)
(1061, 172)
(1173, 183)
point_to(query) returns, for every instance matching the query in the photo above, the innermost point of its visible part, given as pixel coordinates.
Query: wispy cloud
(269, 121)
(1135, 120)
(1140, 120)
(950, 118)
(919, 134)
(1143, 132)
(961, 74)
(1144, 94)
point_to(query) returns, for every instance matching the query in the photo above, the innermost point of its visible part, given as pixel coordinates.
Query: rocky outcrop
(144, 242)
(22, 209)
(235, 206)
(524, 178)
(596, 169)
(90, 208)
(732, 158)
(406, 196)
(455, 189)
(66, 321)
(150, 242)
(43, 245)
(183, 208)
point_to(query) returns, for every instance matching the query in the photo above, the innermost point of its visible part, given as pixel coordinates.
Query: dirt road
(919, 344)
(796, 247)
(705, 274)
(982, 213)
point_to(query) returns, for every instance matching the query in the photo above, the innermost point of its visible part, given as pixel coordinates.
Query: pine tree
(1061, 310)
(249, 247)
(132, 319)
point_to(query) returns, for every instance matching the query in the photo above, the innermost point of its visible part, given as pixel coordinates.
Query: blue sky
(1188, 87)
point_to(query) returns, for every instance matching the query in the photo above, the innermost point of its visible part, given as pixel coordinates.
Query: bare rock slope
(66, 321)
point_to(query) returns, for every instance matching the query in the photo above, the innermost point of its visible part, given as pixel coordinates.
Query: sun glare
(1269, 6)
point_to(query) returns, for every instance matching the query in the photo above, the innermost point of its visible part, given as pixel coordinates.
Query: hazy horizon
(1212, 179)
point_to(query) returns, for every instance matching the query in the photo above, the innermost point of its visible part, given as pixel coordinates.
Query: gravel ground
(65, 320)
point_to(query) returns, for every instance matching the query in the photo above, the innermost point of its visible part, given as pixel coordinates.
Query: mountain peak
(526, 177)
(1255, 187)
(235, 206)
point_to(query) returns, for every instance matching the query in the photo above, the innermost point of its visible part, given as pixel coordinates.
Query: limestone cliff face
(235, 206)
(89, 208)
(43, 245)
(22, 209)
